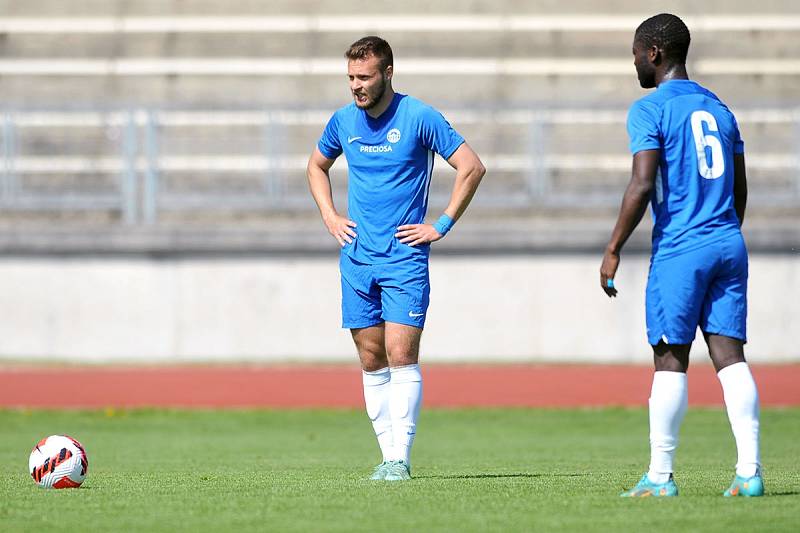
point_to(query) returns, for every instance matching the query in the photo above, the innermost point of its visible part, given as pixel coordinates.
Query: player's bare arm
(634, 204)
(319, 182)
(469, 172)
(739, 186)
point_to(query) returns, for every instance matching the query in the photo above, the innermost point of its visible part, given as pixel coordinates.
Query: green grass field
(475, 470)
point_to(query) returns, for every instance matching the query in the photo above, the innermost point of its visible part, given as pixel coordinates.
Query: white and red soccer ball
(58, 462)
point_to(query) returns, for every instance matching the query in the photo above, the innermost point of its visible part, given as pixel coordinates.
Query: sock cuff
(671, 378)
(669, 384)
(376, 377)
(734, 369)
(406, 374)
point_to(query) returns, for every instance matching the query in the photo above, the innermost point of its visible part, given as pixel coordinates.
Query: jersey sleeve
(643, 127)
(738, 143)
(329, 144)
(437, 134)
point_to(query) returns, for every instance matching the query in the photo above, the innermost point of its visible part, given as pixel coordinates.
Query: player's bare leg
(741, 402)
(371, 346)
(402, 344)
(724, 351)
(402, 349)
(376, 379)
(671, 357)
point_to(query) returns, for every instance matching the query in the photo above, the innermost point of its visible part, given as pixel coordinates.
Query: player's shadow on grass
(785, 493)
(494, 476)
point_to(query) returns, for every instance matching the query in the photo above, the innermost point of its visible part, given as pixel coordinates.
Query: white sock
(404, 402)
(668, 400)
(376, 397)
(741, 402)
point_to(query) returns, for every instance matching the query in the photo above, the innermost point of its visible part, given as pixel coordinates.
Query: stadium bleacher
(180, 126)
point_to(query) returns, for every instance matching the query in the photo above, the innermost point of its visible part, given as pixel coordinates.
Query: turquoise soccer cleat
(746, 486)
(646, 488)
(379, 473)
(398, 471)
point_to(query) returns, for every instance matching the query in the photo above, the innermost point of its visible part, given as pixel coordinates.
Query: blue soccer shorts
(706, 287)
(388, 292)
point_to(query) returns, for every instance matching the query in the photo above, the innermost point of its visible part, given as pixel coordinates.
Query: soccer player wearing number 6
(389, 140)
(688, 161)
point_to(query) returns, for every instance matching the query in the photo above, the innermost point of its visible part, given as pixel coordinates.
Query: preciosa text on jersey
(373, 149)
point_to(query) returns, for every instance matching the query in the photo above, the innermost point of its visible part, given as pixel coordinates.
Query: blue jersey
(697, 136)
(390, 161)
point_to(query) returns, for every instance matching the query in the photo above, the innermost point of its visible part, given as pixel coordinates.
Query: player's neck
(383, 104)
(672, 72)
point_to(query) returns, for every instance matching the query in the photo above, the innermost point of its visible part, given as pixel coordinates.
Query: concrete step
(521, 231)
(774, 44)
(38, 8)
(495, 134)
(243, 192)
(331, 91)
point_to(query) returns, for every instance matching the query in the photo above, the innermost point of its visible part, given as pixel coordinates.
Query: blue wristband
(444, 224)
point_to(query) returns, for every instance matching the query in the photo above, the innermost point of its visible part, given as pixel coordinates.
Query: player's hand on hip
(414, 234)
(341, 228)
(607, 272)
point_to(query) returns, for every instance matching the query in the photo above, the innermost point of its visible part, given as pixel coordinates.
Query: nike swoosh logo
(351, 139)
(414, 315)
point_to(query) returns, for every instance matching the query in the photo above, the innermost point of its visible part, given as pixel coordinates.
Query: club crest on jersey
(393, 136)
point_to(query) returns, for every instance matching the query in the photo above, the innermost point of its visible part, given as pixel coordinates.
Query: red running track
(340, 386)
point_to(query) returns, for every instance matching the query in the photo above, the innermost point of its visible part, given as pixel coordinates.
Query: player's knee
(402, 353)
(670, 364)
(671, 358)
(403, 359)
(372, 355)
(372, 362)
(725, 359)
(724, 351)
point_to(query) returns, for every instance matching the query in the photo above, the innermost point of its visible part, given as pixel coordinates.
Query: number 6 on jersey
(703, 141)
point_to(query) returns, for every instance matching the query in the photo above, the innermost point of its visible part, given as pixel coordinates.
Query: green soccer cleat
(746, 486)
(397, 471)
(645, 488)
(379, 473)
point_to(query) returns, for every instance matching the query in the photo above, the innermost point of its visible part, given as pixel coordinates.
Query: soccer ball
(58, 462)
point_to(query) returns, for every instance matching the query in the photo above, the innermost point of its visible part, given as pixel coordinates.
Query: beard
(647, 78)
(373, 96)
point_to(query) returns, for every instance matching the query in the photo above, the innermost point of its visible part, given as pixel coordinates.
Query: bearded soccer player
(389, 140)
(688, 161)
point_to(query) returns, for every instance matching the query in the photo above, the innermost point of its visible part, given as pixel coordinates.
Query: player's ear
(654, 55)
(388, 72)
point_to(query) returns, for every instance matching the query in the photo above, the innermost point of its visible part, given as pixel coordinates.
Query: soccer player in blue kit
(389, 140)
(688, 161)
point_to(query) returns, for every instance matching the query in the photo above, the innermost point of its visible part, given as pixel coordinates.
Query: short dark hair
(667, 32)
(371, 46)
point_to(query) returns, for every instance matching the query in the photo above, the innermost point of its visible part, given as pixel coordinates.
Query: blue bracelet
(444, 224)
